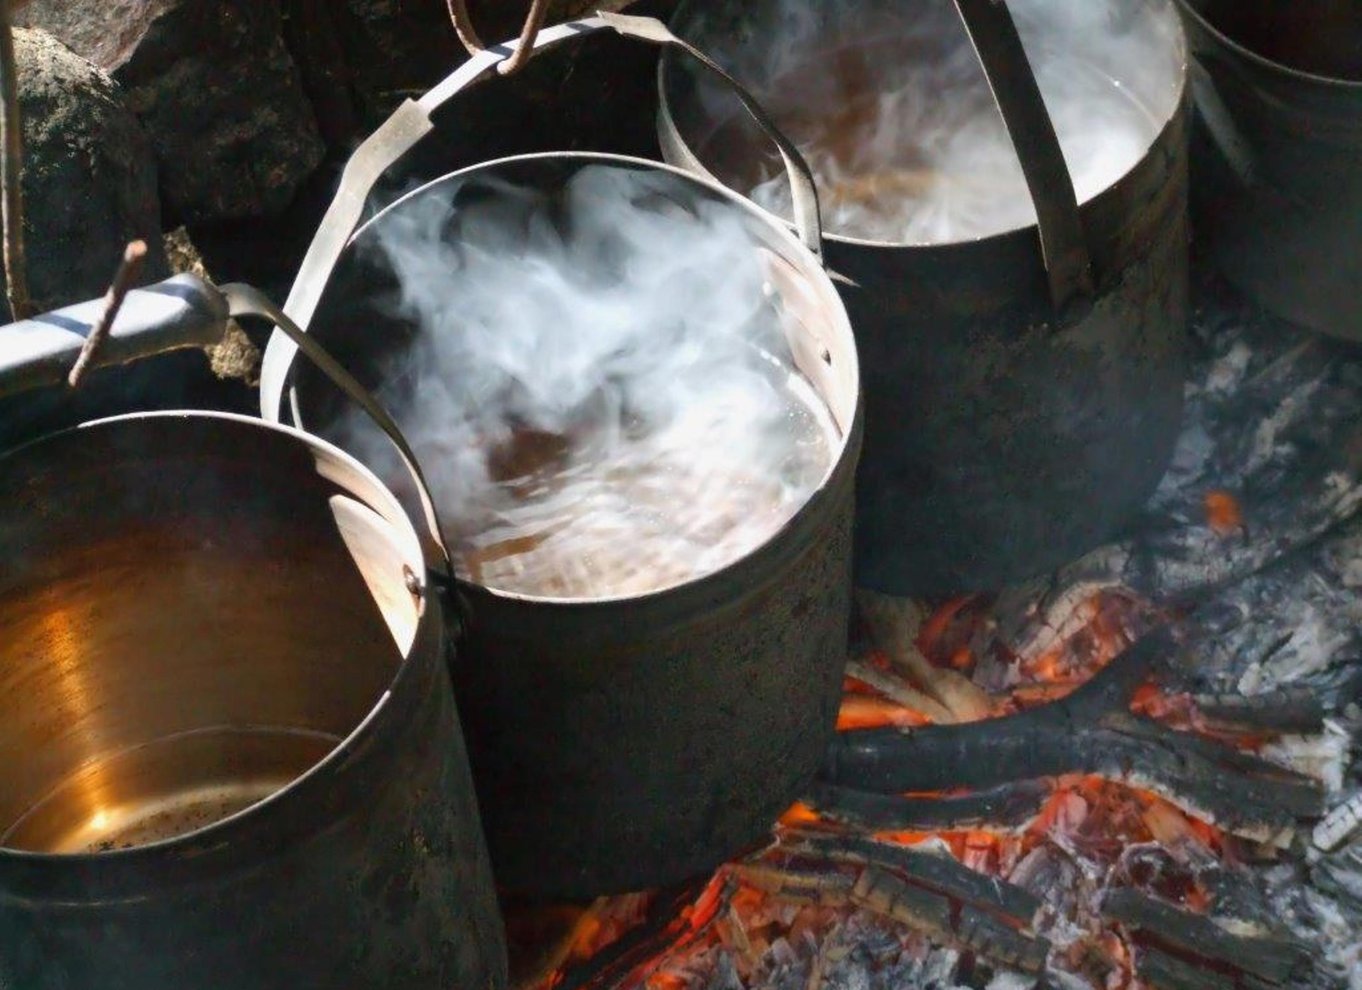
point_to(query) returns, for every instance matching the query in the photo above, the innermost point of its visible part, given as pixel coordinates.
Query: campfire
(1117, 777)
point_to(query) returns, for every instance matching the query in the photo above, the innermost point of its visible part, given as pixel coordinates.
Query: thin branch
(468, 34)
(133, 256)
(463, 26)
(11, 168)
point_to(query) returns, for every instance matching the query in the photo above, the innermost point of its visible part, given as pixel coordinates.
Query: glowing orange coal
(749, 906)
(1223, 513)
(863, 711)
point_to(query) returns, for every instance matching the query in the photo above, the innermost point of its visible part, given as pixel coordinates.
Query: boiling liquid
(602, 389)
(166, 789)
(600, 515)
(910, 147)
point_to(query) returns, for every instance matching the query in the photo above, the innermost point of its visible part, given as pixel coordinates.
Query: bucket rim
(846, 448)
(1291, 73)
(667, 122)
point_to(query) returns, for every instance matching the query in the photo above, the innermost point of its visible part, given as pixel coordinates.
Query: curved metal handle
(1063, 242)
(411, 122)
(534, 20)
(245, 300)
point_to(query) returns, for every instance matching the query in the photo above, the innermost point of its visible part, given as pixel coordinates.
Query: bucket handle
(1068, 263)
(245, 300)
(412, 121)
(182, 312)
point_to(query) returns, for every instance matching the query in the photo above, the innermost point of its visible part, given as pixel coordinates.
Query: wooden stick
(128, 269)
(11, 170)
(888, 621)
(899, 691)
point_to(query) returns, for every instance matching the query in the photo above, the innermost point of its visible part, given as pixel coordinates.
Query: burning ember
(1089, 782)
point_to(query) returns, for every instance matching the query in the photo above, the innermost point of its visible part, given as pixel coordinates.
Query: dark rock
(89, 176)
(215, 88)
(360, 58)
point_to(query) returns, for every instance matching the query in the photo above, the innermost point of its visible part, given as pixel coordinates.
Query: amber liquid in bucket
(908, 146)
(166, 789)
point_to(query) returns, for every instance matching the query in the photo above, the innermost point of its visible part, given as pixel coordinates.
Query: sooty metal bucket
(626, 743)
(1277, 154)
(229, 752)
(1023, 390)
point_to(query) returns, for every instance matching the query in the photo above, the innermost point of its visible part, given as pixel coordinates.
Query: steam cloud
(601, 392)
(891, 107)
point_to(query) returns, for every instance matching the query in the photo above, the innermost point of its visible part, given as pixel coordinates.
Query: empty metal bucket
(229, 752)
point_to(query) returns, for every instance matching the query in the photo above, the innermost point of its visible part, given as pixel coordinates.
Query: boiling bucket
(229, 752)
(634, 741)
(1023, 379)
(1277, 158)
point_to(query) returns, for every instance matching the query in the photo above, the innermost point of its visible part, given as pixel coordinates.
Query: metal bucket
(1023, 389)
(1277, 153)
(229, 752)
(631, 742)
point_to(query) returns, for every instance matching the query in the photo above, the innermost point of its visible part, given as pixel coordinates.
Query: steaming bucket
(635, 740)
(228, 744)
(1024, 366)
(1277, 156)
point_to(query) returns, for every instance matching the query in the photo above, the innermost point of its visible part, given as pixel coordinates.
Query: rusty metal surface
(628, 744)
(1277, 169)
(172, 577)
(1000, 441)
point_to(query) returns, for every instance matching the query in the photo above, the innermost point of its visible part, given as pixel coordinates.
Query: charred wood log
(664, 928)
(1241, 793)
(1247, 960)
(940, 874)
(881, 892)
(882, 759)
(936, 916)
(1287, 710)
(1006, 807)
(1340, 825)
(826, 887)
(1166, 972)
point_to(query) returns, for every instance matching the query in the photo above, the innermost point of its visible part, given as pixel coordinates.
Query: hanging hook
(463, 26)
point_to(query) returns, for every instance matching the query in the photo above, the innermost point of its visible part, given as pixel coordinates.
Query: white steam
(892, 109)
(601, 391)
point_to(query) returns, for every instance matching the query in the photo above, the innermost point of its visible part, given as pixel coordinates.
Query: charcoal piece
(801, 884)
(986, 753)
(1167, 972)
(610, 966)
(936, 916)
(1298, 624)
(1284, 710)
(939, 873)
(1234, 790)
(1276, 959)
(1005, 806)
